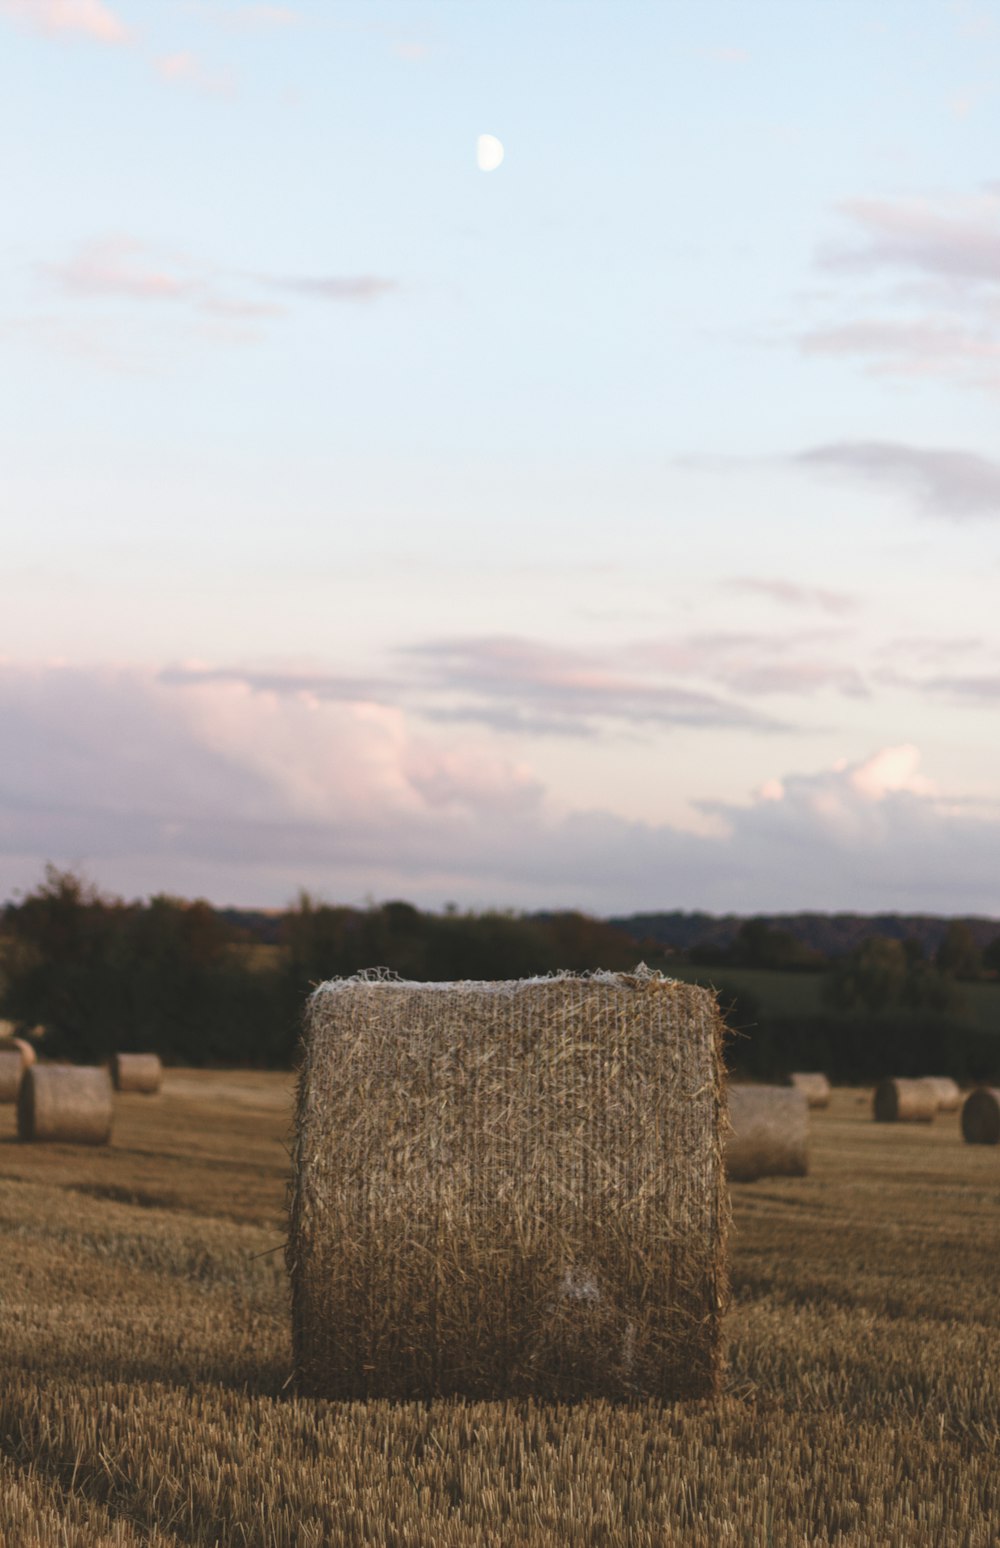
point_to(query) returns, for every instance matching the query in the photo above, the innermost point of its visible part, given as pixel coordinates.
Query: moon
(489, 153)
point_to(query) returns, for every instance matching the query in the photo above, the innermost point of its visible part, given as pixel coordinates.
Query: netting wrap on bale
(815, 1087)
(11, 1071)
(140, 1072)
(509, 1189)
(70, 1103)
(904, 1101)
(981, 1117)
(947, 1092)
(769, 1133)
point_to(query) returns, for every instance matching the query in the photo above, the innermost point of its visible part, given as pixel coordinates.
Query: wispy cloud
(790, 594)
(119, 268)
(515, 683)
(325, 687)
(943, 482)
(953, 239)
(357, 287)
(188, 69)
(83, 18)
(936, 268)
(923, 347)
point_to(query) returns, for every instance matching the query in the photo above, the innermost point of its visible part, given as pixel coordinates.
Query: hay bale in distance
(507, 1189)
(814, 1086)
(904, 1101)
(947, 1092)
(11, 1071)
(770, 1133)
(137, 1072)
(67, 1103)
(981, 1117)
(21, 1046)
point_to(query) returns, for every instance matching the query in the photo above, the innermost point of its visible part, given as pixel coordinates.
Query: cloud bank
(245, 795)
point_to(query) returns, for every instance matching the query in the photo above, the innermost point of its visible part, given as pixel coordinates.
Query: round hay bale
(947, 1093)
(66, 1103)
(137, 1072)
(904, 1101)
(814, 1086)
(770, 1133)
(981, 1117)
(21, 1046)
(11, 1071)
(509, 1190)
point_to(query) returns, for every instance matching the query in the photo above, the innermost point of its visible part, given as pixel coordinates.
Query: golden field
(145, 1352)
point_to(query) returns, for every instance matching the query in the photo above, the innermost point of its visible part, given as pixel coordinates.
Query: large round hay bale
(814, 1086)
(981, 1117)
(11, 1071)
(770, 1133)
(19, 1045)
(509, 1189)
(65, 1102)
(137, 1072)
(904, 1101)
(947, 1093)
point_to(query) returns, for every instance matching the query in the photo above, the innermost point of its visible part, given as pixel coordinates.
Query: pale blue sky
(386, 526)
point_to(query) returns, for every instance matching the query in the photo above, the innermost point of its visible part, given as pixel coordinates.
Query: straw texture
(981, 1117)
(904, 1101)
(19, 1045)
(65, 1102)
(947, 1093)
(509, 1189)
(769, 1133)
(137, 1072)
(11, 1070)
(814, 1086)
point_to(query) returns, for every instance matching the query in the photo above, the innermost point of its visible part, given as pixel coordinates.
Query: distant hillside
(832, 934)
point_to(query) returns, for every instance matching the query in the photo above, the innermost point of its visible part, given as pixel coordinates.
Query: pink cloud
(245, 795)
(119, 266)
(88, 18)
(942, 255)
(187, 69)
(793, 594)
(956, 239)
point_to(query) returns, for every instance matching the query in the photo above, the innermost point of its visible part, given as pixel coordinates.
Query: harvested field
(146, 1345)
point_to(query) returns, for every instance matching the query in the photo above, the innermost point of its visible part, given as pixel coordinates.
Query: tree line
(203, 986)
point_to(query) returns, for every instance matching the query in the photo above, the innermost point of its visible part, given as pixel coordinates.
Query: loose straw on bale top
(65, 1102)
(947, 1093)
(140, 1072)
(770, 1133)
(11, 1071)
(981, 1117)
(814, 1087)
(509, 1189)
(904, 1101)
(19, 1045)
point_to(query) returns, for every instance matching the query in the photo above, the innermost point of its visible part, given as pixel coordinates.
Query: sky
(615, 529)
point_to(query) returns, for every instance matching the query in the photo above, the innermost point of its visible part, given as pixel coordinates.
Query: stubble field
(144, 1349)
